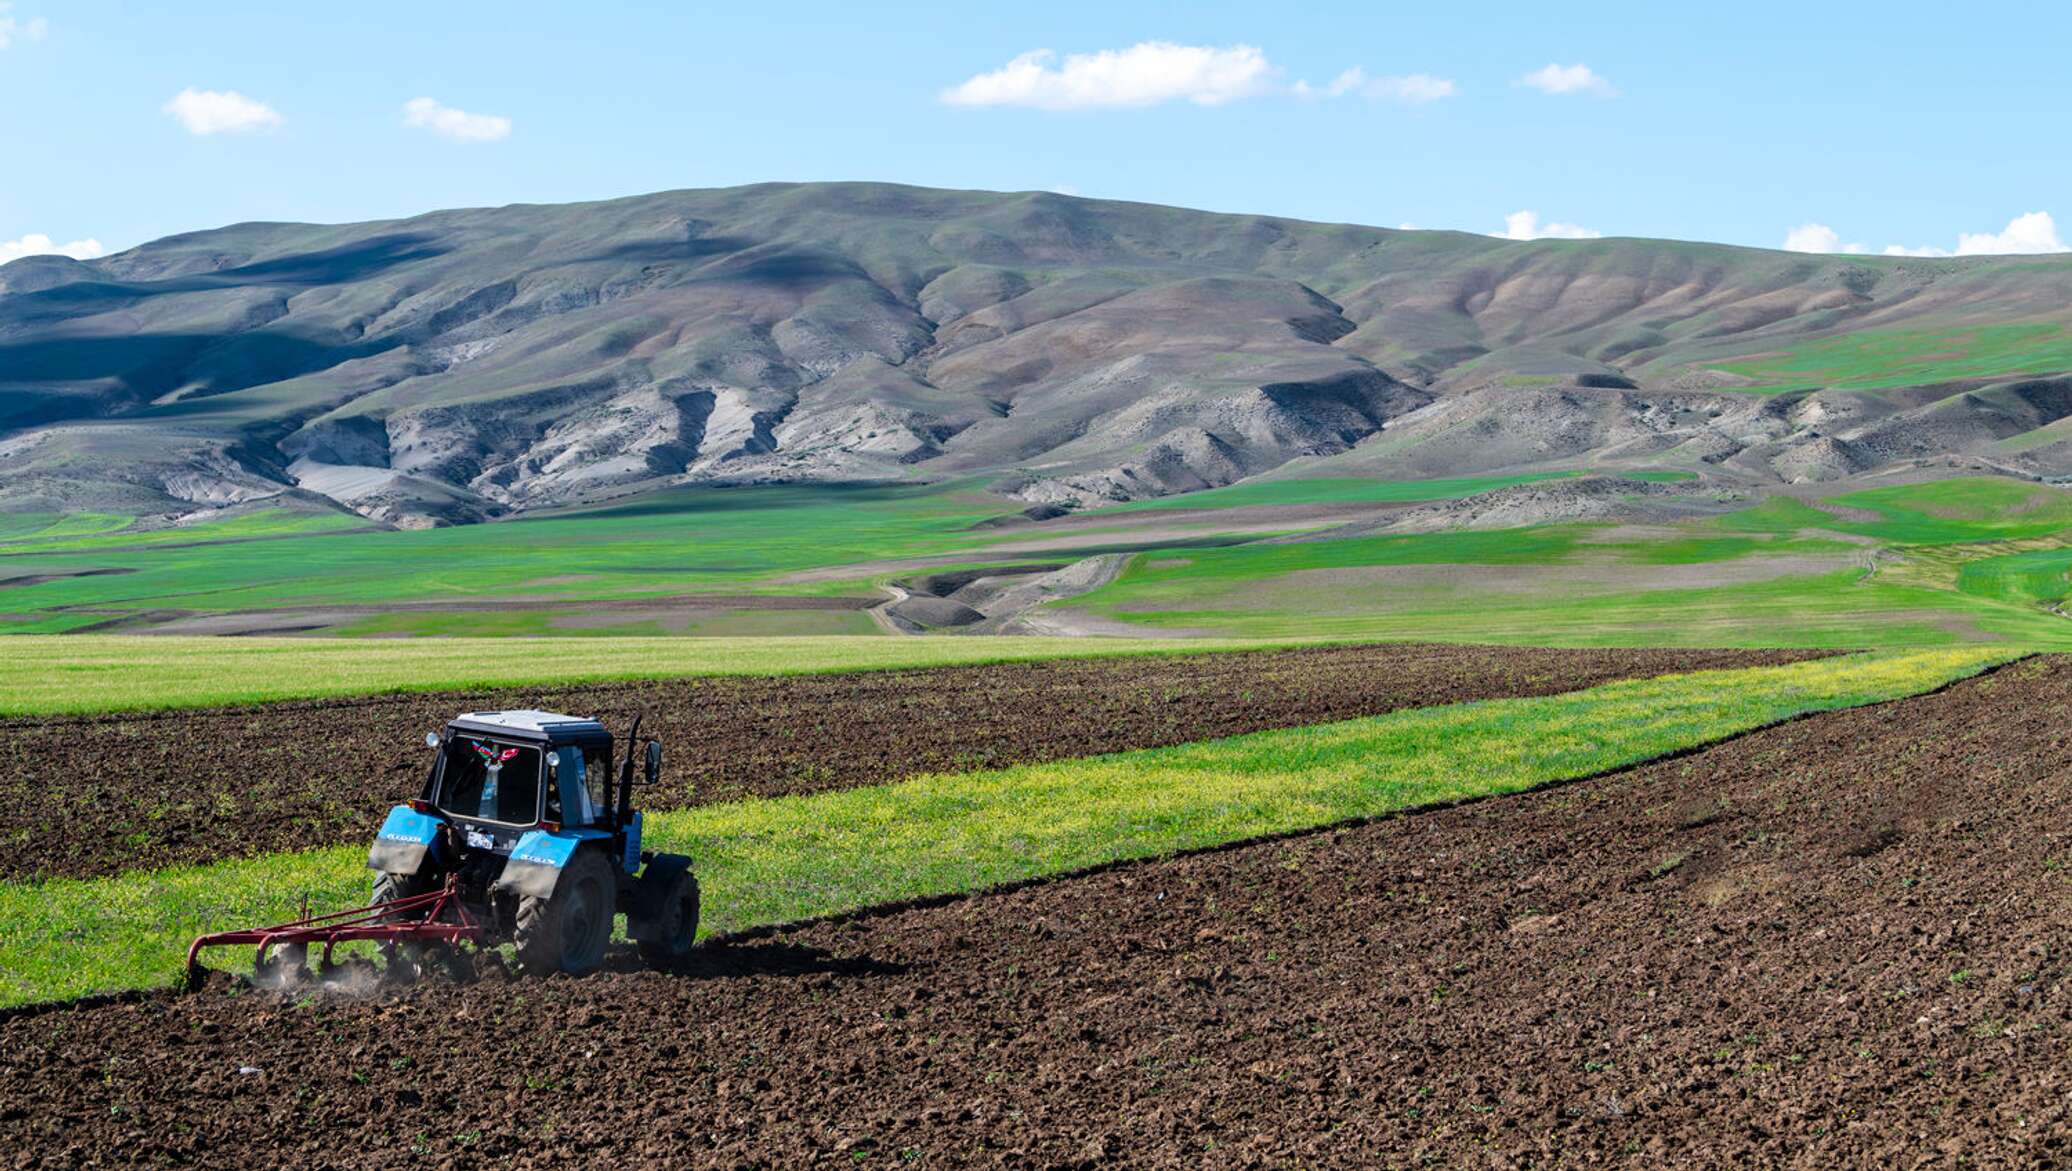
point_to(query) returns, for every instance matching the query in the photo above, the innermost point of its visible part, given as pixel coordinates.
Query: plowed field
(1841, 941)
(199, 786)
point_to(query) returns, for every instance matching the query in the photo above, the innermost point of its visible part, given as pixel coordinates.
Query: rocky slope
(466, 364)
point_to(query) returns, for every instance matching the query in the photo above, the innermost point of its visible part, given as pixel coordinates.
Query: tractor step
(419, 918)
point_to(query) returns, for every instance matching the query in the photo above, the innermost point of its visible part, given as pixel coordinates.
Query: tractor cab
(500, 773)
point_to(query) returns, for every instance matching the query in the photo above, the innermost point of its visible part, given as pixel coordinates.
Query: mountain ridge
(470, 363)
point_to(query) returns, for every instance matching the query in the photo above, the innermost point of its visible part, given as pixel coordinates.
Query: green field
(761, 540)
(774, 861)
(1784, 572)
(52, 675)
(80, 532)
(1337, 490)
(1841, 609)
(1937, 513)
(1903, 565)
(1879, 359)
(575, 619)
(695, 540)
(729, 541)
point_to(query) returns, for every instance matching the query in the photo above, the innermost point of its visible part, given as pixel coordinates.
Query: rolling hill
(468, 364)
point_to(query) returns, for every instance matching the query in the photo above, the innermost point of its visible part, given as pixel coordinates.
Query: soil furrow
(199, 786)
(1839, 941)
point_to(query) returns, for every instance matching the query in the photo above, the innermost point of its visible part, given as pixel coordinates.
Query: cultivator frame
(424, 920)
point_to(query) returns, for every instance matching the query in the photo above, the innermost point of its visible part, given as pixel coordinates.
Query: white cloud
(2029, 234)
(1812, 238)
(1414, 88)
(1142, 75)
(1568, 79)
(1819, 238)
(458, 125)
(13, 27)
(207, 111)
(38, 244)
(1526, 225)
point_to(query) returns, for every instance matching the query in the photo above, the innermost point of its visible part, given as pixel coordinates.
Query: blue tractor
(520, 835)
(521, 818)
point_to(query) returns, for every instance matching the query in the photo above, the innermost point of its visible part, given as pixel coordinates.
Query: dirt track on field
(1842, 942)
(201, 786)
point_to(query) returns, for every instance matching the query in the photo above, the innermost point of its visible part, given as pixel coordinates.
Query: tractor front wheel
(669, 936)
(568, 930)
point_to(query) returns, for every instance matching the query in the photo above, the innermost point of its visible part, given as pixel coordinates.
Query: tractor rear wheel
(390, 887)
(403, 962)
(669, 936)
(568, 930)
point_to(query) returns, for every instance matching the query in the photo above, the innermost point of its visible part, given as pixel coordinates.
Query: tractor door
(580, 776)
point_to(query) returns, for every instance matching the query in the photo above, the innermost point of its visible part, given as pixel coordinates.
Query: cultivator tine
(435, 917)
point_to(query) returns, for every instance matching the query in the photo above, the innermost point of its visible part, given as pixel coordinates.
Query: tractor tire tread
(537, 932)
(401, 962)
(665, 952)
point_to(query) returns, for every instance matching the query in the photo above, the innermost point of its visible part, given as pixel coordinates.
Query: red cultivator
(438, 917)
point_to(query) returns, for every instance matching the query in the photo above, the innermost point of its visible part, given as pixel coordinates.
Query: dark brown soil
(1842, 942)
(199, 786)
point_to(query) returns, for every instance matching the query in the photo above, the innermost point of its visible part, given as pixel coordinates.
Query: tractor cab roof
(533, 726)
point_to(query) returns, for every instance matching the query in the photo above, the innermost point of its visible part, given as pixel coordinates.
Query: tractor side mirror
(654, 760)
(431, 740)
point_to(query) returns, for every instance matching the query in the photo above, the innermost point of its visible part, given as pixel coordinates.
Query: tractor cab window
(579, 778)
(492, 782)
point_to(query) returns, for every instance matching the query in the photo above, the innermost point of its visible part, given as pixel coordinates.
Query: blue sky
(1881, 125)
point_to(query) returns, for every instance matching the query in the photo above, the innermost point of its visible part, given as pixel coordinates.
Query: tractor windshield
(488, 781)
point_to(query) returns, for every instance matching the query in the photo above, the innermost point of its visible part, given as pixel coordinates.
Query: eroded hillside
(466, 364)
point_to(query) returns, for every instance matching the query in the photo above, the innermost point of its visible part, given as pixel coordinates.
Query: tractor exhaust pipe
(619, 816)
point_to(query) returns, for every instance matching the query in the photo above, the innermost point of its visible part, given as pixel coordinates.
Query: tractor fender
(538, 859)
(652, 888)
(405, 841)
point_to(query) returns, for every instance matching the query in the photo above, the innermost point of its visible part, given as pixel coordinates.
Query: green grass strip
(775, 861)
(1333, 490)
(86, 674)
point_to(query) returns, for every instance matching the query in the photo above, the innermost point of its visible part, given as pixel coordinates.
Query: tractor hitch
(422, 918)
